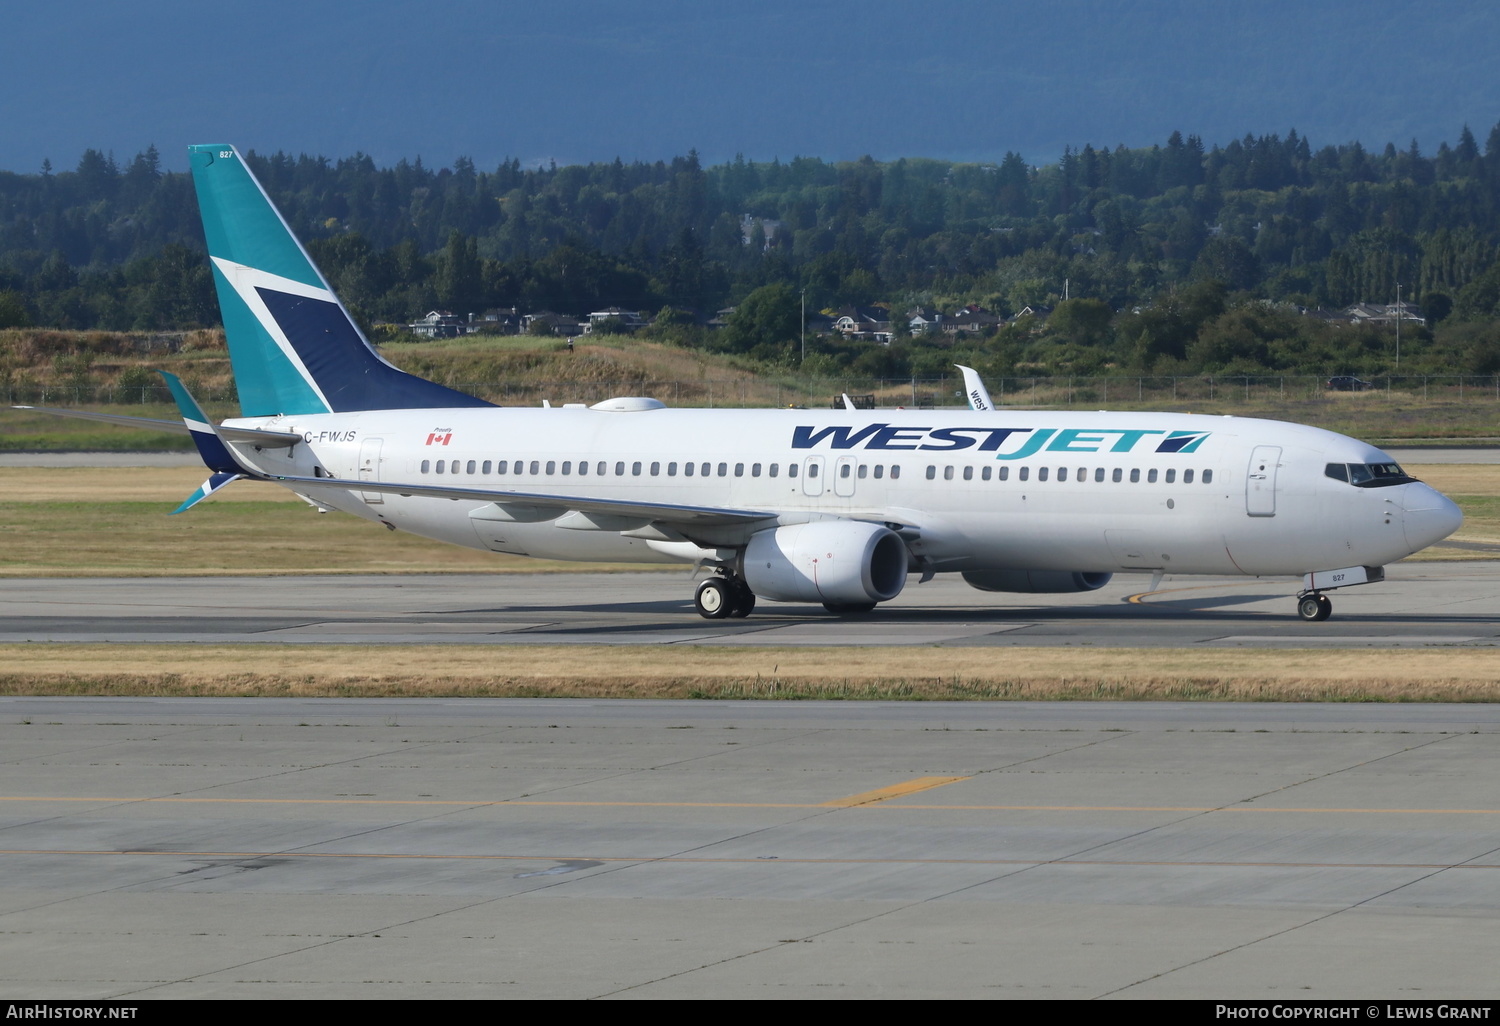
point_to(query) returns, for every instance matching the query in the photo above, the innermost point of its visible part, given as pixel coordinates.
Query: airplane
(838, 507)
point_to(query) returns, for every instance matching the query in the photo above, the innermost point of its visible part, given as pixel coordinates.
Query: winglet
(215, 453)
(978, 395)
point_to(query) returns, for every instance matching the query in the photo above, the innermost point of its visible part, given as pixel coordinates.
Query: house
(553, 323)
(768, 227)
(920, 320)
(972, 319)
(500, 321)
(440, 324)
(863, 322)
(1387, 315)
(629, 319)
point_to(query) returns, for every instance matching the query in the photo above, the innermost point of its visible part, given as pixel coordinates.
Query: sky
(589, 80)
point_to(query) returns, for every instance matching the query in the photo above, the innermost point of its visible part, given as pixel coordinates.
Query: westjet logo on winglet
(1005, 443)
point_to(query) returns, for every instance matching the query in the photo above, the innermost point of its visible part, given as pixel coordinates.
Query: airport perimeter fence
(1100, 392)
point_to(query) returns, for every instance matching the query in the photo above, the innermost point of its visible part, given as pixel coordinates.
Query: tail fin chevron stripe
(294, 348)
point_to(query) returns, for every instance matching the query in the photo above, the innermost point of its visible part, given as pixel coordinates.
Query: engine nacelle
(844, 562)
(1035, 582)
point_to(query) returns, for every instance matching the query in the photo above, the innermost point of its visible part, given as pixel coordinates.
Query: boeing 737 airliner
(830, 507)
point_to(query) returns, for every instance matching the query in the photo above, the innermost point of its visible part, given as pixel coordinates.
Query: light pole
(1398, 325)
(804, 324)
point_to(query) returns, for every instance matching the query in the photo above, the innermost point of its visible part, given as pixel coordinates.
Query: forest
(1174, 259)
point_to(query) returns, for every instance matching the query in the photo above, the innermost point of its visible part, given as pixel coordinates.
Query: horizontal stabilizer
(206, 489)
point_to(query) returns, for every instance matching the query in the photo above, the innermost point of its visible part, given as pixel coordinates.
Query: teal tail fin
(294, 348)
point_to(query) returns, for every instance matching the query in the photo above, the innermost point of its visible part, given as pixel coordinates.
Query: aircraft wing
(264, 439)
(520, 505)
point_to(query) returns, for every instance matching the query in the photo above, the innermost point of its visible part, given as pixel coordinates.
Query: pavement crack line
(1326, 915)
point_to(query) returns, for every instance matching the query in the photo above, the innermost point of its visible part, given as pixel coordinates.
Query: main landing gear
(723, 595)
(1314, 606)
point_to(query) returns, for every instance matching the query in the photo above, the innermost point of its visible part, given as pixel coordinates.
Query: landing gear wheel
(744, 601)
(714, 599)
(1314, 608)
(841, 608)
(1325, 607)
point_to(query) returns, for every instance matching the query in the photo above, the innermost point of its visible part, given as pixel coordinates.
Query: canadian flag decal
(440, 438)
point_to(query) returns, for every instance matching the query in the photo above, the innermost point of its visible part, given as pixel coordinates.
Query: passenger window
(687, 469)
(536, 467)
(439, 466)
(755, 470)
(791, 470)
(671, 469)
(502, 467)
(551, 467)
(1062, 473)
(948, 473)
(985, 473)
(1098, 473)
(1187, 477)
(1041, 473)
(703, 471)
(968, 473)
(635, 469)
(772, 469)
(895, 471)
(879, 471)
(1151, 476)
(567, 466)
(601, 468)
(863, 470)
(1208, 477)
(583, 468)
(1135, 475)
(844, 471)
(486, 468)
(655, 469)
(1171, 476)
(931, 472)
(812, 470)
(470, 467)
(723, 470)
(1005, 473)
(739, 470)
(1025, 473)
(1116, 476)
(426, 466)
(619, 469)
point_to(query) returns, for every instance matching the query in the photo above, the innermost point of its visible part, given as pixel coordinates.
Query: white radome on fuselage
(1291, 520)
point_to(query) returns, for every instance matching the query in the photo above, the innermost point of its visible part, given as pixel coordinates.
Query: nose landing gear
(723, 595)
(1314, 607)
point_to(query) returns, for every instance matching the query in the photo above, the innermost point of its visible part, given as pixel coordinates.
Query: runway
(532, 848)
(1420, 604)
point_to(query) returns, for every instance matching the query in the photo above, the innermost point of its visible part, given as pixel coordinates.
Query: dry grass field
(907, 673)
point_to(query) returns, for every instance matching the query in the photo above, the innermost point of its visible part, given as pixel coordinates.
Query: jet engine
(1035, 582)
(836, 562)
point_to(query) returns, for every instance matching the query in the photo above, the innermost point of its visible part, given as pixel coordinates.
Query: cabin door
(1260, 481)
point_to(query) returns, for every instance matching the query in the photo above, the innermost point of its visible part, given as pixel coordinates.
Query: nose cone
(1430, 516)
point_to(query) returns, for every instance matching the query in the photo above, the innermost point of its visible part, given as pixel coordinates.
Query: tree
(770, 318)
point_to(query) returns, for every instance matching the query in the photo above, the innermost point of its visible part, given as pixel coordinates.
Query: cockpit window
(1368, 475)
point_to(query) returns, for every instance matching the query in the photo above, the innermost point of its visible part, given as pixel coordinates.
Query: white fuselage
(998, 490)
